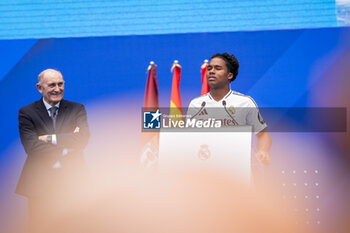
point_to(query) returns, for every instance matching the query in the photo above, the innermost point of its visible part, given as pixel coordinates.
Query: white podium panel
(226, 152)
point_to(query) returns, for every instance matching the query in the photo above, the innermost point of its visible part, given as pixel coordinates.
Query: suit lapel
(44, 115)
(62, 113)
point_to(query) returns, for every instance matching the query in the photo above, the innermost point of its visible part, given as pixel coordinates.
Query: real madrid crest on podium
(204, 152)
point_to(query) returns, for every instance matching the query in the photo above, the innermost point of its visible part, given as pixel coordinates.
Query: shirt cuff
(54, 139)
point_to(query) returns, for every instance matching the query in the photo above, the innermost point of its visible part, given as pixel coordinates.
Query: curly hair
(231, 61)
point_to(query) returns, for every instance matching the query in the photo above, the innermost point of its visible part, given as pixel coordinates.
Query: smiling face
(51, 86)
(218, 75)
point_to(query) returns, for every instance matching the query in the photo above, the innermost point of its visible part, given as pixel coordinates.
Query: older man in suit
(54, 133)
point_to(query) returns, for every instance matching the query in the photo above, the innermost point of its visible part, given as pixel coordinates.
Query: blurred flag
(151, 92)
(205, 86)
(175, 103)
(150, 140)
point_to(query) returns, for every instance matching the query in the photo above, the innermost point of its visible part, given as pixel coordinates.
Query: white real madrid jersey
(232, 110)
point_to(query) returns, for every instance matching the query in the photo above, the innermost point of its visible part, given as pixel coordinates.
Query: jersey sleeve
(254, 118)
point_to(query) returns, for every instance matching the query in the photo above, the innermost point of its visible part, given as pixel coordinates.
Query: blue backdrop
(281, 68)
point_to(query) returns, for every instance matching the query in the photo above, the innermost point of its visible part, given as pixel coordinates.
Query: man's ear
(229, 76)
(39, 87)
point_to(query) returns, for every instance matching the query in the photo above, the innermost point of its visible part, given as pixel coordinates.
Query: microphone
(234, 121)
(203, 105)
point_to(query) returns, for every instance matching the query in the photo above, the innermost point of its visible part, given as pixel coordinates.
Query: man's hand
(44, 138)
(264, 145)
(263, 157)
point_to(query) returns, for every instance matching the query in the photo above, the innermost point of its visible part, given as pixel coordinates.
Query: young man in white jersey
(232, 107)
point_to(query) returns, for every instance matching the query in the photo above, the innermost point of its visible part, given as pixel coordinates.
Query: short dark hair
(231, 61)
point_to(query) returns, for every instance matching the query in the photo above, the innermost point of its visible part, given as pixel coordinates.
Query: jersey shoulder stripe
(246, 96)
(238, 93)
(228, 94)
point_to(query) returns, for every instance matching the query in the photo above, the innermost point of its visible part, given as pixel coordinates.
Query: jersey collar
(225, 97)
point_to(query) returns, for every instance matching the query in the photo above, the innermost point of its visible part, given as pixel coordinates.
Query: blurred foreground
(196, 201)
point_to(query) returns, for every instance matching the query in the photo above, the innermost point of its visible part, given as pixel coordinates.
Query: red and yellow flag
(205, 86)
(175, 102)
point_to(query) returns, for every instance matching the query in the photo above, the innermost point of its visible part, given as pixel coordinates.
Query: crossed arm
(34, 143)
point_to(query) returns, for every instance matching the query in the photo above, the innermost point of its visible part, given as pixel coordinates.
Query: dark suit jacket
(38, 176)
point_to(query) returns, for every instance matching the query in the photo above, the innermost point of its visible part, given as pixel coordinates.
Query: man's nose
(57, 88)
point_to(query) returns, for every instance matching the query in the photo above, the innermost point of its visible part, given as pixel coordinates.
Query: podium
(226, 151)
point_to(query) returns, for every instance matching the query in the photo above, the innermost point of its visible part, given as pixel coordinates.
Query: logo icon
(204, 112)
(151, 120)
(204, 152)
(232, 110)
